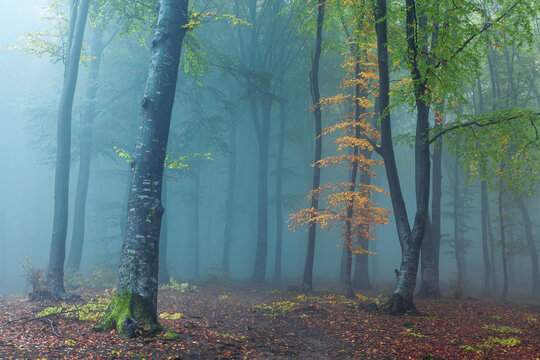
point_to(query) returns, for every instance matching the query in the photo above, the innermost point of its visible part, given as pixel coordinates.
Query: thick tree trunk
(87, 123)
(429, 261)
(135, 300)
(429, 286)
(531, 246)
(55, 275)
(279, 193)
(259, 269)
(163, 274)
(229, 216)
(307, 280)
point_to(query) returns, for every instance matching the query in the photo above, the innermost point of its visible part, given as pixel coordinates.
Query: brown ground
(221, 321)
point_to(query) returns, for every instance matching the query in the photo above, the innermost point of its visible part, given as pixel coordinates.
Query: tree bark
(361, 279)
(87, 123)
(135, 300)
(229, 216)
(503, 241)
(279, 193)
(307, 280)
(410, 240)
(163, 273)
(531, 246)
(55, 275)
(196, 170)
(429, 287)
(459, 246)
(259, 269)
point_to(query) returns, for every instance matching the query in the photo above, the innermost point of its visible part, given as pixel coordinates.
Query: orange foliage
(337, 199)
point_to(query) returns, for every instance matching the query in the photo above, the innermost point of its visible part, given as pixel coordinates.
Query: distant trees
(135, 300)
(55, 275)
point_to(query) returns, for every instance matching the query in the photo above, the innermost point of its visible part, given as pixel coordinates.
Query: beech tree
(135, 300)
(55, 275)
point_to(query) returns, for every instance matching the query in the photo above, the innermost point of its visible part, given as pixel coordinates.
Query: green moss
(125, 306)
(171, 335)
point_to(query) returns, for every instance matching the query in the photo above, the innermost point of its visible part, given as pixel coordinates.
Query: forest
(270, 179)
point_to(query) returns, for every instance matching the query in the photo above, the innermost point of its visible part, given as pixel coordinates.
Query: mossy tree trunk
(135, 301)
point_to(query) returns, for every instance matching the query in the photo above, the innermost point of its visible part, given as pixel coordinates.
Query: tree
(55, 275)
(307, 280)
(89, 113)
(135, 300)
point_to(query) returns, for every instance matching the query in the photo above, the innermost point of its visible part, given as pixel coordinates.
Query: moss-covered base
(128, 313)
(398, 305)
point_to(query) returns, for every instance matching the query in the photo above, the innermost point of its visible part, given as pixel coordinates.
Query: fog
(209, 103)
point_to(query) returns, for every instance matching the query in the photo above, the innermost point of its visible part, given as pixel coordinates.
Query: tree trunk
(229, 215)
(87, 123)
(410, 240)
(135, 300)
(307, 280)
(531, 246)
(429, 259)
(484, 205)
(429, 287)
(485, 245)
(361, 279)
(459, 246)
(503, 241)
(279, 193)
(259, 269)
(55, 275)
(196, 218)
(163, 273)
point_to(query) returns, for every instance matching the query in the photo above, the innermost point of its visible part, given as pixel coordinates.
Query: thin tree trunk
(196, 218)
(531, 246)
(87, 123)
(229, 216)
(459, 248)
(259, 270)
(55, 275)
(503, 241)
(307, 280)
(135, 300)
(361, 279)
(484, 207)
(279, 193)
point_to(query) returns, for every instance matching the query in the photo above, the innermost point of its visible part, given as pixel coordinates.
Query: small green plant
(279, 308)
(224, 297)
(173, 316)
(496, 317)
(176, 286)
(411, 333)
(531, 319)
(471, 349)
(502, 329)
(508, 342)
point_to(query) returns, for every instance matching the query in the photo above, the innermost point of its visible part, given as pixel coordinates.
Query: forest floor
(240, 322)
